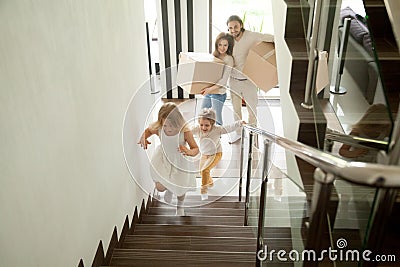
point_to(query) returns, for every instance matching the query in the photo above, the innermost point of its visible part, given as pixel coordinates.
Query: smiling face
(223, 46)
(205, 125)
(169, 129)
(235, 29)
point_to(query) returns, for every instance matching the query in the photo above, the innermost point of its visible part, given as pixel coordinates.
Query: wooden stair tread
(197, 211)
(199, 204)
(213, 231)
(185, 263)
(194, 220)
(213, 198)
(186, 258)
(276, 212)
(198, 243)
(130, 255)
(194, 243)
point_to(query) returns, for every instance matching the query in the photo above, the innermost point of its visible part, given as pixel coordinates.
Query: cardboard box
(260, 66)
(197, 71)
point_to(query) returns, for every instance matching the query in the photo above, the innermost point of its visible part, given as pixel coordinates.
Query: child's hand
(243, 122)
(184, 150)
(144, 142)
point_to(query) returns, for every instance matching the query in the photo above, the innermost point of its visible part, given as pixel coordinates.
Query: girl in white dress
(171, 168)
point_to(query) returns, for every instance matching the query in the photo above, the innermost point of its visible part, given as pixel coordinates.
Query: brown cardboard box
(197, 71)
(260, 66)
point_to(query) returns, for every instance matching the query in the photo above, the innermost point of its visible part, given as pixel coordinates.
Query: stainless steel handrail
(368, 174)
(329, 167)
(355, 140)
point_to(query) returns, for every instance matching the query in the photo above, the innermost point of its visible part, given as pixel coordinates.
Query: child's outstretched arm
(193, 149)
(143, 139)
(232, 127)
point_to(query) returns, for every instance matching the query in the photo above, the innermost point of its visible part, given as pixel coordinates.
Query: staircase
(209, 234)
(386, 49)
(212, 232)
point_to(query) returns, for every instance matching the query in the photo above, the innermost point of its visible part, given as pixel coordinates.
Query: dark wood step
(193, 220)
(294, 202)
(210, 231)
(203, 211)
(137, 257)
(188, 263)
(129, 256)
(196, 243)
(213, 198)
(212, 202)
(199, 203)
(197, 211)
(379, 21)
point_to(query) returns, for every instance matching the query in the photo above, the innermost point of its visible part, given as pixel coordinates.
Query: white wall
(200, 26)
(68, 70)
(284, 66)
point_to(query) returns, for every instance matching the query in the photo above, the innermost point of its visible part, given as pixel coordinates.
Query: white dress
(172, 169)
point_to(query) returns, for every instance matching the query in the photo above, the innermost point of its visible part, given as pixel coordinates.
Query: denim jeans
(215, 101)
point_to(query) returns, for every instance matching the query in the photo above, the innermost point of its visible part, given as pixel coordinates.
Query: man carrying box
(240, 86)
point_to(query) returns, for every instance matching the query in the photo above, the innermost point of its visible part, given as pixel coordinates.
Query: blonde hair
(208, 114)
(169, 111)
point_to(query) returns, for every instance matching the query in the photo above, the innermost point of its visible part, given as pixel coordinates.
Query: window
(256, 15)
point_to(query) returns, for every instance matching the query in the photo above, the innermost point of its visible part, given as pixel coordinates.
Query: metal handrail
(329, 167)
(355, 140)
(368, 174)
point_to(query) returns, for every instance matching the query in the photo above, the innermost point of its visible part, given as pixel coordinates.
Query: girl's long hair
(169, 111)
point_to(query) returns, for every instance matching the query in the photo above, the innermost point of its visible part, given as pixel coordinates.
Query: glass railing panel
(353, 204)
(286, 205)
(352, 207)
(331, 217)
(358, 95)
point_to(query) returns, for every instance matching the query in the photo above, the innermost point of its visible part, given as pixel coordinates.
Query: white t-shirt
(242, 48)
(210, 143)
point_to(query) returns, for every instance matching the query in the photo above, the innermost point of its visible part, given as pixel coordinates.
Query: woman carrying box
(215, 95)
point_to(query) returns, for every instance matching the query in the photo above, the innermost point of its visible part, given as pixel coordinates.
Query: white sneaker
(168, 196)
(204, 196)
(180, 211)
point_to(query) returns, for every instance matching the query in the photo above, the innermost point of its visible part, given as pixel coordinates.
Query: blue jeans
(215, 101)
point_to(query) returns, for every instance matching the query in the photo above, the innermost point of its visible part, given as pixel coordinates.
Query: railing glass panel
(358, 95)
(351, 211)
(286, 209)
(323, 211)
